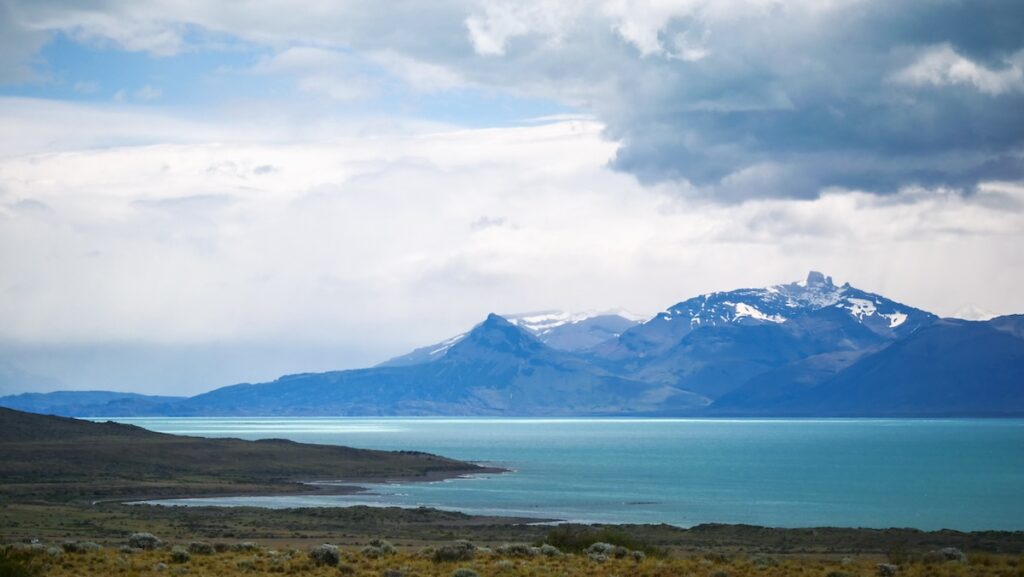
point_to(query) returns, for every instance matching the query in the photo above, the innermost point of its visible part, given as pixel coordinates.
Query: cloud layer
(738, 98)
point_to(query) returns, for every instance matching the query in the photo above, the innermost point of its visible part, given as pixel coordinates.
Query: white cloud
(421, 77)
(148, 92)
(492, 25)
(337, 75)
(942, 66)
(378, 243)
(157, 37)
(86, 87)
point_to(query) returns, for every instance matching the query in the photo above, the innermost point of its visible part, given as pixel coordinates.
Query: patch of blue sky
(216, 72)
(73, 70)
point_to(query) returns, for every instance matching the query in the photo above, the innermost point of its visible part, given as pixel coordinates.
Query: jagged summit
(780, 303)
(815, 278)
(496, 334)
(812, 306)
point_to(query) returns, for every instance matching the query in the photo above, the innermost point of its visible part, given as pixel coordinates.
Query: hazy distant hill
(92, 403)
(496, 369)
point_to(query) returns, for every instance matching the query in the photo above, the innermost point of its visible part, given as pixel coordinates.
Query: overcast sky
(195, 193)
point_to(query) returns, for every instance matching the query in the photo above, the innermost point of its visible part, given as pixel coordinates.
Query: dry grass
(111, 562)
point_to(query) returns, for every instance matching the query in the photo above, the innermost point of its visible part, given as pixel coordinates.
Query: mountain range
(807, 348)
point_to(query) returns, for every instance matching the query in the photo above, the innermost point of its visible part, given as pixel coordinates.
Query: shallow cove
(963, 474)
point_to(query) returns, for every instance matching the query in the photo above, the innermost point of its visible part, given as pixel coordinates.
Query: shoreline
(325, 487)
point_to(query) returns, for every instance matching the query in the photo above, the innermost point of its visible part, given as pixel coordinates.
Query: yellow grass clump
(256, 561)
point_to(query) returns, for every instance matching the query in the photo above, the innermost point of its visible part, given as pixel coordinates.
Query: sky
(195, 194)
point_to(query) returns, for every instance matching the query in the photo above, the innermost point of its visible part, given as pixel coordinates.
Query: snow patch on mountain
(543, 322)
(443, 346)
(896, 319)
(745, 310)
(861, 308)
(973, 312)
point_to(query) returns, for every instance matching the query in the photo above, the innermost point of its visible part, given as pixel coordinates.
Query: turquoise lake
(927, 474)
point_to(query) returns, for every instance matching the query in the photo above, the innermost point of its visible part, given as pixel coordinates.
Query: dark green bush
(577, 539)
(18, 564)
(458, 551)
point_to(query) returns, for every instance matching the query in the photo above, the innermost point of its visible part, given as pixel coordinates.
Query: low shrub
(179, 554)
(458, 551)
(383, 545)
(944, 555)
(144, 541)
(325, 554)
(373, 552)
(18, 564)
(81, 547)
(765, 561)
(464, 572)
(886, 570)
(200, 548)
(550, 550)
(576, 539)
(518, 550)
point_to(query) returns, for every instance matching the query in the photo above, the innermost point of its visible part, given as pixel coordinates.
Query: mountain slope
(496, 369)
(952, 367)
(559, 330)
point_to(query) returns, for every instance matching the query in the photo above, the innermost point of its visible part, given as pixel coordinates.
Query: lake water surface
(928, 474)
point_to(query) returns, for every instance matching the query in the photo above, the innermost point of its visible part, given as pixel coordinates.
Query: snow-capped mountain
(780, 304)
(713, 343)
(560, 330)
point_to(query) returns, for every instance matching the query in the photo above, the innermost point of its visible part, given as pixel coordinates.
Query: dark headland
(57, 459)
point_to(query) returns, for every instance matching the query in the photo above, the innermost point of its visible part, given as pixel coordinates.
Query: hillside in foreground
(56, 458)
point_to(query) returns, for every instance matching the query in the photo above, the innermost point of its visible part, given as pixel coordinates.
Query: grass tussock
(320, 561)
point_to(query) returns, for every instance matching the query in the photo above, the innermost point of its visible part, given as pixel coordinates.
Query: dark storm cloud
(824, 105)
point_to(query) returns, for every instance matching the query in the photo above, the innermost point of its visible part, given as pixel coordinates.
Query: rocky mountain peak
(815, 278)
